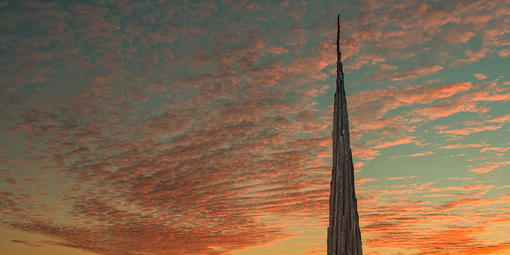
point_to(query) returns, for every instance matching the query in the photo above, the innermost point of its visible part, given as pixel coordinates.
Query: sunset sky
(204, 127)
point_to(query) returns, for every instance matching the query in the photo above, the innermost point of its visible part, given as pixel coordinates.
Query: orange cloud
(469, 130)
(386, 144)
(489, 166)
(480, 76)
(419, 154)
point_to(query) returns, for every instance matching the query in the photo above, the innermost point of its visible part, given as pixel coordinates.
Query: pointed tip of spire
(339, 54)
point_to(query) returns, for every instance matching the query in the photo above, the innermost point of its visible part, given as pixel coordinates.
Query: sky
(204, 127)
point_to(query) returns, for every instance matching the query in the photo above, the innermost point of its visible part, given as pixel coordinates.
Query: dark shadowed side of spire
(344, 235)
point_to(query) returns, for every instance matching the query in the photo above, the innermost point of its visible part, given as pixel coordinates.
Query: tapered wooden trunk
(344, 235)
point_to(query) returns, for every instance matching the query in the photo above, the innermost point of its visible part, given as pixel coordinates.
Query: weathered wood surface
(344, 235)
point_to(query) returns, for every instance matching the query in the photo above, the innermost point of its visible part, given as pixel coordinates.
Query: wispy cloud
(205, 127)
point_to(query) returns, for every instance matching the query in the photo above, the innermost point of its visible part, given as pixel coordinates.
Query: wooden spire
(344, 235)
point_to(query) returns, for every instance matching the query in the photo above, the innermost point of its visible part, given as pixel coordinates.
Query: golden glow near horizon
(204, 127)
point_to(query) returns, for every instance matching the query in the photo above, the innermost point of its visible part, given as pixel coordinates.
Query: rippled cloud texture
(204, 127)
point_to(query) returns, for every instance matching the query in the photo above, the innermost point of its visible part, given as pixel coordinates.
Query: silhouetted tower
(344, 236)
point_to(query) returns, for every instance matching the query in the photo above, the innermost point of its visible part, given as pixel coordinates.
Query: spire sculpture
(344, 236)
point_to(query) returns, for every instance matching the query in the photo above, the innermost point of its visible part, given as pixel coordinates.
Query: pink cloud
(448, 109)
(401, 141)
(469, 130)
(153, 154)
(489, 166)
(365, 153)
(393, 218)
(400, 178)
(420, 154)
(504, 53)
(457, 36)
(497, 149)
(500, 119)
(364, 180)
(372, 105)
(462, 188)
(463, 146)
(471, 57)
(415, 73)
(277, 50)
(480, 76)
